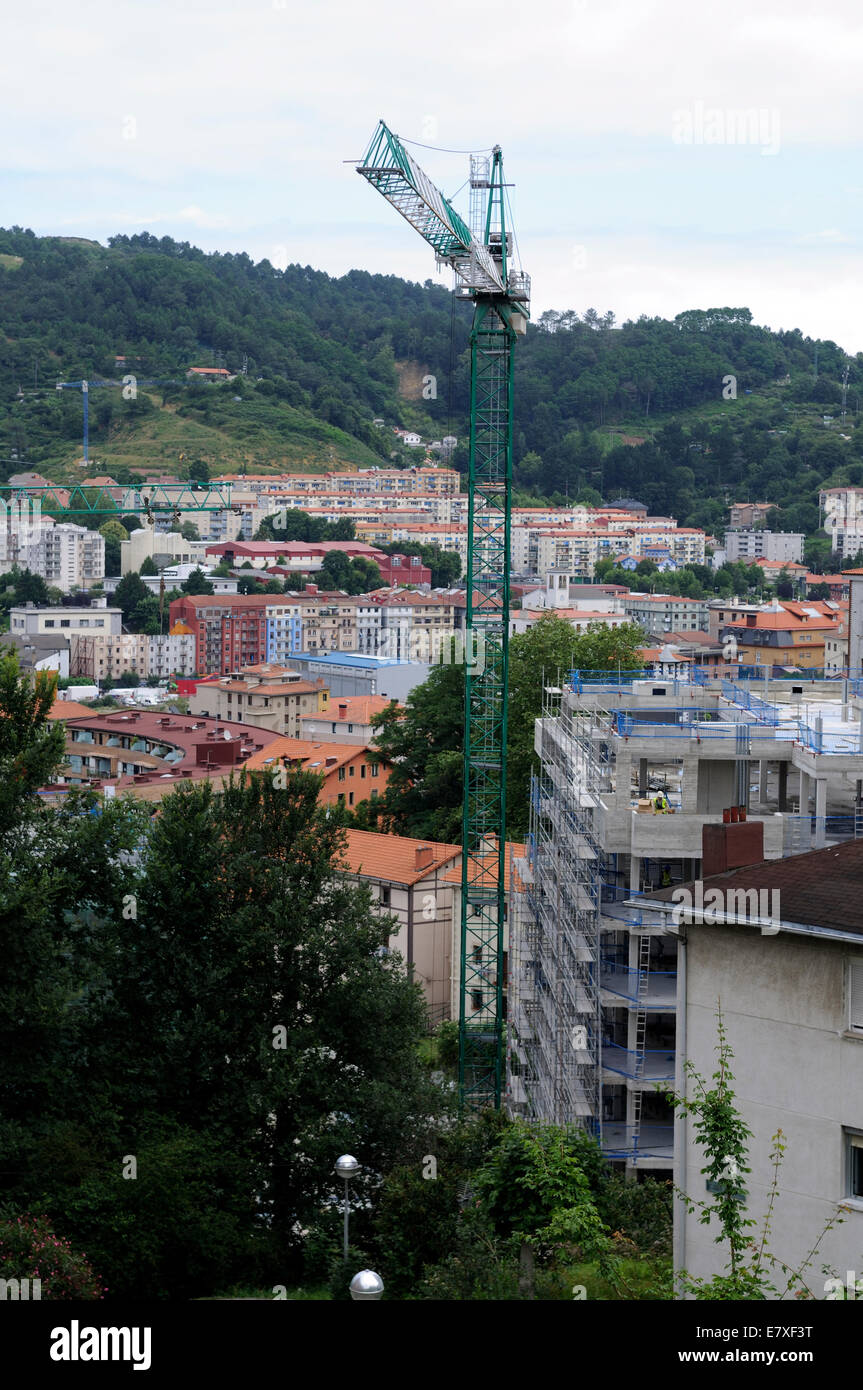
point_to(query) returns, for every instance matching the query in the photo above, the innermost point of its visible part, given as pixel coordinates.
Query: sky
(664, 155)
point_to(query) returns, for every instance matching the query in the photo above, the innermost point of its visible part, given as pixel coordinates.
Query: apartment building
(843, 519)
(760, 544)
(783, 634)
(270, 697)
(230, 630)
(425, 481)
(659, 614)
(172, 654)
(749, 514)
(106, 657)
(67, 557)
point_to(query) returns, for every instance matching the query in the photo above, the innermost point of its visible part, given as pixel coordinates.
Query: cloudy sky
(666, 154)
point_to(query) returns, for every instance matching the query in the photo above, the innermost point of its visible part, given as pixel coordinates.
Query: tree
(197, 583)
(318, 1049)
(148, 566)
(31, 746)
(189, 531)
(129, 593)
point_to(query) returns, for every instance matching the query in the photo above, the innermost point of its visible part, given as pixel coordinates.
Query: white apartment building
(67, 557)
(662, 613)
(758, 544)
(172, 654)
(843, 519)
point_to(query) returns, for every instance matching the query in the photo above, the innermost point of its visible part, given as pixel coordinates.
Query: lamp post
(347, 1167)
(366, 1285)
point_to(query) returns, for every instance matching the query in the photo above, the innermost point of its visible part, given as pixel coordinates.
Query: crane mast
(481, 257)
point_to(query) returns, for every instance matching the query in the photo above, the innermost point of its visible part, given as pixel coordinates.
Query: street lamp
(366, 1285)
(346, 1167)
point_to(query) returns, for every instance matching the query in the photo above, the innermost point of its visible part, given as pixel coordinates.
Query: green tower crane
(481, 256)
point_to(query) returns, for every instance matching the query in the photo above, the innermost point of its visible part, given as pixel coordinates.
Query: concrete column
(634, 873)
(762, 781)
(642, 777)
(805, 790)
(820, 812)
(783, 786)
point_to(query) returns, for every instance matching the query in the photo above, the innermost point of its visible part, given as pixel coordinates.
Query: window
(49, 622)
(363, 770)
(65, 622)
(341, 798)
(373, 767)
(350, 728)
(855, 994)
(350, 798)
(854, 1164)
(385, 897)
(476, 999)
(374, 793)
(334, 728)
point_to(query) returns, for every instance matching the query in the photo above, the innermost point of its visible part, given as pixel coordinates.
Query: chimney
(424, 856)
(733, 846)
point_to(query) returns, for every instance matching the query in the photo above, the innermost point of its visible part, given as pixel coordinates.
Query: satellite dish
(226, 734)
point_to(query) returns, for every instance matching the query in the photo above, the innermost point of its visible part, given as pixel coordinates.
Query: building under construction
(632, 770)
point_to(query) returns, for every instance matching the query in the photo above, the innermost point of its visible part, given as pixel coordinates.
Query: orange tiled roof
(395, 857)
(361, 709)
(68, 709)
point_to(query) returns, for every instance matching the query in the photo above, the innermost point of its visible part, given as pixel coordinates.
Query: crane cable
(439, 149)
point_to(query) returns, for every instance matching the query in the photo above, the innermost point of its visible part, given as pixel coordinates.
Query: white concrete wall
(795, 1068)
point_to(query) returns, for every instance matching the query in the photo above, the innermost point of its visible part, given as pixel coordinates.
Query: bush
(30, 1249)
(183, 1226)
(447, 1044)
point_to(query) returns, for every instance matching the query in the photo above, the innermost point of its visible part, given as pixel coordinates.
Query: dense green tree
(197, 583)
(129, 593)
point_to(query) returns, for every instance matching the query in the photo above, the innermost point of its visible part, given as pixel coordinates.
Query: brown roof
(312, 753)
(822, 888)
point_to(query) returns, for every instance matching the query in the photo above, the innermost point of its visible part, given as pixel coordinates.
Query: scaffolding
(555, 1014)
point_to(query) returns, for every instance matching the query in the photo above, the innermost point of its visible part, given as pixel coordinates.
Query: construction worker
(660, 803)
(665, 881)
